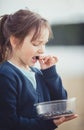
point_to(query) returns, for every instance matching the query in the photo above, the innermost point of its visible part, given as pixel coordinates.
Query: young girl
(23, 36)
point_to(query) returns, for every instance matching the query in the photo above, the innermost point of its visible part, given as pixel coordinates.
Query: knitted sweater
(18, 96)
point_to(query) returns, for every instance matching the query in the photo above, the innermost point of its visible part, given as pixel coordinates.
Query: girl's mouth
(37, 57)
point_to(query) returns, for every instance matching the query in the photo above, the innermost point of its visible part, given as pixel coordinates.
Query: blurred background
(67, 21)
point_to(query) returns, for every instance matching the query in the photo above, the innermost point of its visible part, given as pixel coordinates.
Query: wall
(70, 67)
(75, 87)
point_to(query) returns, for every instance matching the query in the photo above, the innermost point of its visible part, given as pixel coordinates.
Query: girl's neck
(19, 64)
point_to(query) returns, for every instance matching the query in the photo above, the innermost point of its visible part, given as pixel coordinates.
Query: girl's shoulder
(6, 67)
(9, 70)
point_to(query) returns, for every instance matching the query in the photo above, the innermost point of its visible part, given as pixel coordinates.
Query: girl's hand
(47, 61)
(61, 120)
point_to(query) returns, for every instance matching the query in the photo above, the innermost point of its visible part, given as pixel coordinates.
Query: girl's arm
(54, 83)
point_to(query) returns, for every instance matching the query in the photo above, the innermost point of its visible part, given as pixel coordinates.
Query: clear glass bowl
(56, 108)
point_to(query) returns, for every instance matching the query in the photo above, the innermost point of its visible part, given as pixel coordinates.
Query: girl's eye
(38, 43)
(35, 44)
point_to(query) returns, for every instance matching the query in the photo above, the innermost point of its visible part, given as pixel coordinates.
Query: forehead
(43, 35)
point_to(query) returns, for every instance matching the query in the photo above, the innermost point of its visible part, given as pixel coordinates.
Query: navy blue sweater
(18, 96)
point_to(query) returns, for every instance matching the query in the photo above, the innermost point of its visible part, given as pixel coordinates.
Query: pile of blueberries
(52, 115)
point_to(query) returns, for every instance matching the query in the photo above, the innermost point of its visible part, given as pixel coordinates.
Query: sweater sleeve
(9, 117)
(54, 83)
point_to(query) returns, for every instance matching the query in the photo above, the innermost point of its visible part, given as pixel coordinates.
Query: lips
(35, 58)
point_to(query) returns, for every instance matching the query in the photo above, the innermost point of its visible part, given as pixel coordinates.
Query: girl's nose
(41, 49)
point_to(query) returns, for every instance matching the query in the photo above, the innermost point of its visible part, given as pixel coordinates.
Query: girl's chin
(34, 61)
(32, 64)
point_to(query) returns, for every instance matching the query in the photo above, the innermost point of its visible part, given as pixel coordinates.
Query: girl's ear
(13, 41)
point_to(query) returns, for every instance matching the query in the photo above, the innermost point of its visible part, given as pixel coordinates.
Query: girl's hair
(19, 25)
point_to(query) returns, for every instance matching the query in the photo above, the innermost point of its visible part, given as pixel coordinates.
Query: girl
(23, 36)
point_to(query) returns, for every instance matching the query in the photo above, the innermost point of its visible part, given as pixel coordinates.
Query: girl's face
(25, 55)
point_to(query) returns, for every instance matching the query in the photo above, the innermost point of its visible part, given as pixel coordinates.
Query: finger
(55, 58)
(45, 60)
(64, 119)
(67, 118)
(59, 121)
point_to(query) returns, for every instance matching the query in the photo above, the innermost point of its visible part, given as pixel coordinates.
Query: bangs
(39, 26)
